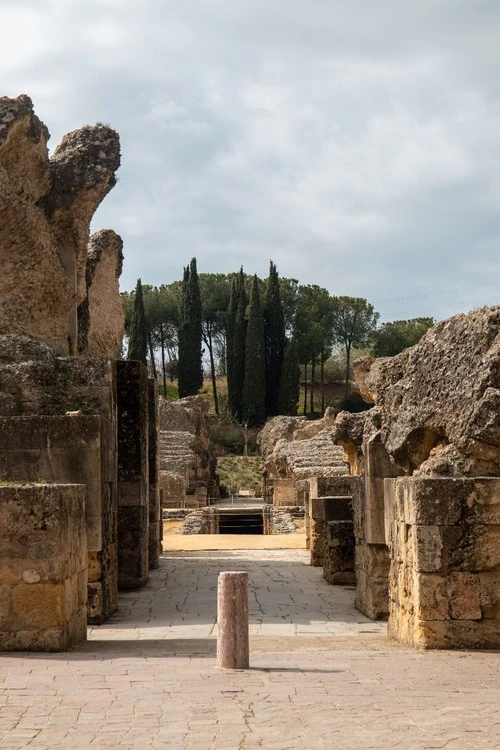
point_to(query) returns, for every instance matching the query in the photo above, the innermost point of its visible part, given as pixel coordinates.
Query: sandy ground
(173, 542)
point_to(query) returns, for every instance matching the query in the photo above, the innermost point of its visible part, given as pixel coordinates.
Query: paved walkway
(322, 676)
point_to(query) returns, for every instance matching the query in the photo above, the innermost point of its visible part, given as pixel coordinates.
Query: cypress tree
(239, 347)
(275, 341)
(289, 381)
(230, 331)
(253, 404)
(138, 331)
(190, 316)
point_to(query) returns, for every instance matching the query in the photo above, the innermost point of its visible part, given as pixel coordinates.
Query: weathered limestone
(101, 319)
(372, 553)
(155, 510)
(45, 444)
(72, 449)
(46, 206)
(187, 460)
(133, 474)
(295, 449)
(332, 538)
(438, 402)
(43, 567)
(305, 455)
(318, 535)
(445, 571)
(284, 492)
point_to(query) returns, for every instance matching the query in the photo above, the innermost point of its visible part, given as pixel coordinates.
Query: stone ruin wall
(430, 441)
(43, 590)
(61, 418)
(101, 321)
(46, 205)
(187, 459)
(295, 449)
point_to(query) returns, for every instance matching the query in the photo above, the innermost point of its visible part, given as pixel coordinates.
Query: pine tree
(253, 404)
(189, 365)
(138, 331)
(275, 341)
(289, 381)
(239, 347)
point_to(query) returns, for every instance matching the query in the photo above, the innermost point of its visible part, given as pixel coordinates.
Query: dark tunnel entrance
(241, 523)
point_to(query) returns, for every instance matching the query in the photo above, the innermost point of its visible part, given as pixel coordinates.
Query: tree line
(257, 333)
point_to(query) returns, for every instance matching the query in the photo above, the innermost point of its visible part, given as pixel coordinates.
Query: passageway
(287, 598)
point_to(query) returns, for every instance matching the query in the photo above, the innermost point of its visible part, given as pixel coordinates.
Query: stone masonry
(100, 314)
(39, 441)
(43, 567)
(73, 449)
(46, 206)
(187, 459)
(445, 572)
(155, 510)
(133, 474)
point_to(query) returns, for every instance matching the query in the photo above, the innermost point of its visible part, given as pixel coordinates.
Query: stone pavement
(322, 675)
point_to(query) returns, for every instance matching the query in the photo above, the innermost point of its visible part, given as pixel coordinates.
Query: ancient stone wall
(72, 449)
(187, 459)
(46, 206)
(435, 419)
(284, 492)
(133, 474)
(438, 402)
(43, 567)
(294, 450)
(445, 570)
(331, 531)
(45, 444)
(155, 510)
(101, 319)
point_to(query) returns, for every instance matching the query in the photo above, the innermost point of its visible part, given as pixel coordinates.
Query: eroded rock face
(187, 458)
(101, 319)
(439, 401)
(45, 210)
(299, 448)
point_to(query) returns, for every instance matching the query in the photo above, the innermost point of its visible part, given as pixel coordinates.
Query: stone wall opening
(241, 523)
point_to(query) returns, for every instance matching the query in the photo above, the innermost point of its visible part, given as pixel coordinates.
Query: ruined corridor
(321, 675)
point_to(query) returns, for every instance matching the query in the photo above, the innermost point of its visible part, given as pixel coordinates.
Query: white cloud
(354, 143)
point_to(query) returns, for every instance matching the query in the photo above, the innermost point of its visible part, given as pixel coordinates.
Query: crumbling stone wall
(445, 569)
(37, 441)
(330, 511)
(133, 474)
(101, 321)
(46, 206)
(295, 449)
(187, 459)
(438, 402)
(43, 567)
(435, 420)
(155, 509)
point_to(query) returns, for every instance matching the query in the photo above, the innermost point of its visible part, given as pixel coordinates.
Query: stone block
(317, 544)
(133, 474)
(340, 486)
(445, 586)
(285, 492)
(428, 549)
(464, 591)
(432, 501)
(43, 548)
(374, 526)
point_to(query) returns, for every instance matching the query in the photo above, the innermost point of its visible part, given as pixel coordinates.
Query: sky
(356, 144)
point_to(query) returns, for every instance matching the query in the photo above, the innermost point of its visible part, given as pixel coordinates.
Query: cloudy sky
(357, 144)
